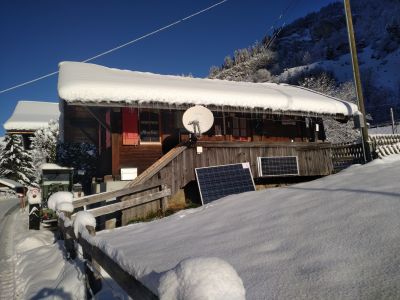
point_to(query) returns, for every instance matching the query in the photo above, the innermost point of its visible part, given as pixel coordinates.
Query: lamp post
(357, 81)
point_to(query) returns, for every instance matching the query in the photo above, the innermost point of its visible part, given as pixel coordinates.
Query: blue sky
(37, 35)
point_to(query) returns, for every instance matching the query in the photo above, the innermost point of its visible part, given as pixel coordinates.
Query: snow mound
(65, 206)
(203, 278)
(83, 219)
(59, 197)
(35, 240)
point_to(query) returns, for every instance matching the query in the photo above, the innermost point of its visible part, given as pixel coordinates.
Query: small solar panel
(219, 181)
(278, 166)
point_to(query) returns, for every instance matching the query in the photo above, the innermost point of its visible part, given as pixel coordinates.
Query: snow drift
(203, 278)
(333, 238)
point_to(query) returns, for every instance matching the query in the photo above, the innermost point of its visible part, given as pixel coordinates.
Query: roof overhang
(94, 85)
(29, 116)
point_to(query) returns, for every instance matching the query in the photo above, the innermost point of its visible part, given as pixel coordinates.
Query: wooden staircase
(157, 166)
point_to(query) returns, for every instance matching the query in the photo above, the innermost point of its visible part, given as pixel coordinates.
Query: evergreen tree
(44, 146)
(16, 162)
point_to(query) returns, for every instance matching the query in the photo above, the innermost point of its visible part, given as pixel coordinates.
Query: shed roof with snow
(90, 84)
(32, 115)
(10, 183)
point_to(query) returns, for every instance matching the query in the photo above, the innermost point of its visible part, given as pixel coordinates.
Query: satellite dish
(198, 119)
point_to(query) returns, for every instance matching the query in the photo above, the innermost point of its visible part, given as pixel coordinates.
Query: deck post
(164, 200)
(93, 269)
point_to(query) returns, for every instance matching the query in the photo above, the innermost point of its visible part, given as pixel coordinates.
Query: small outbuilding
(11, 185)
(29, 116)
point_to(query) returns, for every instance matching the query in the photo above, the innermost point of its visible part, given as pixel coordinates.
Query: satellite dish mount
(197, 120)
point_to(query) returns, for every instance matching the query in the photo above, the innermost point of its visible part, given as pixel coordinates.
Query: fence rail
(135, 196)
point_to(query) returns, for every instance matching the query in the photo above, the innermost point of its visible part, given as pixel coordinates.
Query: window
(149, 126)
(239, 127)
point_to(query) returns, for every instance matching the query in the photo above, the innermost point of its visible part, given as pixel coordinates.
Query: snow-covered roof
(10, 183)
(51, 166)
(32, 115)
(83, 83)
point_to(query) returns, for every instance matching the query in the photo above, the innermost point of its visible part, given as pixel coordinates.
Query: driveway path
(8, 209)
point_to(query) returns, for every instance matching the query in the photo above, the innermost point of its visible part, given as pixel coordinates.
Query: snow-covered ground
(6, 204)
(384, 130)
(385, 71)
(334, 238)
(33, 264)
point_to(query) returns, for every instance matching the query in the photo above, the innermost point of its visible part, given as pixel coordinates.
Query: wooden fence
(136, 196)
(344, 155)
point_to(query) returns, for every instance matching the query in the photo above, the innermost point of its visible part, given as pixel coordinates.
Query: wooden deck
(177, 168)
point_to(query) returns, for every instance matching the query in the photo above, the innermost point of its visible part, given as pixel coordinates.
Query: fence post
(68, 239)
(92, 272)
(163, 200)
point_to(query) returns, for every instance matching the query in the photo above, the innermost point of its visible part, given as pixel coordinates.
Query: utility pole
(357, 81)
(392, 117)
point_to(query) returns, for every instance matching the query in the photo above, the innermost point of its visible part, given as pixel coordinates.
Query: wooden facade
(160, 130)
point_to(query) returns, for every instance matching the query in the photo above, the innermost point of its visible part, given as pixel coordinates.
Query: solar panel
(278, 166)
(219, 181)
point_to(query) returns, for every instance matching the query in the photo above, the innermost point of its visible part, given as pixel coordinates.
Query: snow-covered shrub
(16, 162)
(80, 156)
(207, 278)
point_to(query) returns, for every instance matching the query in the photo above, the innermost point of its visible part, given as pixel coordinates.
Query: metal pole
(357, 80)
(392, 117)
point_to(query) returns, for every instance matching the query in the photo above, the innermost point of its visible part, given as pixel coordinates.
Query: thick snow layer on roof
(32, 115)
(83, 82)
(10, 183)
(51, 166)
(332, 238)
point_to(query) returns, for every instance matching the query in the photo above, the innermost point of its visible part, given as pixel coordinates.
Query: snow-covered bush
(80, 156)
(203, 278)
(16, 162)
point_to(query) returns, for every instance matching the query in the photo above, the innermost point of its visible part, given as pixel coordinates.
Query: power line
(281, 16)
(122, 45)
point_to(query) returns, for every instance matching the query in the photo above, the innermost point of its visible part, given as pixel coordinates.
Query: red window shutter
(130, 133)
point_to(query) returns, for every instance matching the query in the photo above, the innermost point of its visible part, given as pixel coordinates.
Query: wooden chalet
(29, 116)
(134, 119)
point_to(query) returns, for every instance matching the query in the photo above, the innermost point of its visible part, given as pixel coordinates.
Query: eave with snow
(134, 118)
(95, 85)
(29, 116)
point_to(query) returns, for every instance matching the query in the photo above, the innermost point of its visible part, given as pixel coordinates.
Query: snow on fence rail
(81, 231)
(385, 144)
